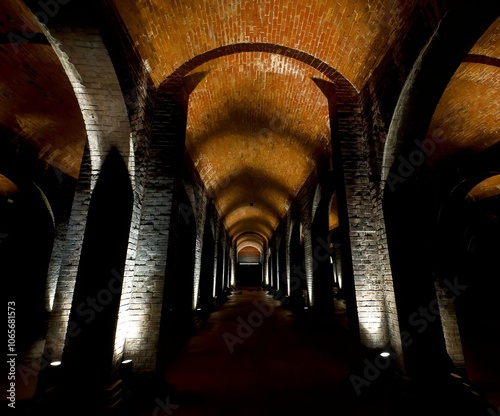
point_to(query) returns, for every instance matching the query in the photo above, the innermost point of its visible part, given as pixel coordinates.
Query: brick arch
(176, 88)
(174, 81)
(427, 81)
(65, 260)
(86, 62)
(250, 239)
(452, 227)
(166, 159)
(485, 166)
(98, 93)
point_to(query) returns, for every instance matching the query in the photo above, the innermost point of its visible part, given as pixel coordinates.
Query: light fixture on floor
(126, 369)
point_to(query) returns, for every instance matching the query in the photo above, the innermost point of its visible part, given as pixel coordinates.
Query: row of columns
(155, 275)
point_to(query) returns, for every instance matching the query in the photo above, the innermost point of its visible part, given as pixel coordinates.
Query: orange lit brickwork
(256, 125)
(485, 189)
(29, 105)
(467, 118)
(351, 36)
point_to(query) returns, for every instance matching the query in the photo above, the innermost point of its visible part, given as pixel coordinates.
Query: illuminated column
(200, 214)
(450, 325)
(233, 264)
(306, 221)
(142, 307)
(70, 257)
(99, 95)
(265, 265)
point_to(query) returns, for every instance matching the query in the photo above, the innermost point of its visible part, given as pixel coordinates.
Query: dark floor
(248, 361)
(255, 357)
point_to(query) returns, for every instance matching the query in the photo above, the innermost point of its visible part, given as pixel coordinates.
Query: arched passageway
(234, 125)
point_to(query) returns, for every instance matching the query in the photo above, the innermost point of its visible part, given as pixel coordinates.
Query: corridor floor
(259, 360)
(254, 357)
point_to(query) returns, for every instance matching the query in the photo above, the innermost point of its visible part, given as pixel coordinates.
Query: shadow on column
(86, 370)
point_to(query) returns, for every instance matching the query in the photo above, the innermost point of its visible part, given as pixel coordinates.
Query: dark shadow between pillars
(87, 357)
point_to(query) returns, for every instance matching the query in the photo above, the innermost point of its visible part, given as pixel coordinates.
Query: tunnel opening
(249, 267)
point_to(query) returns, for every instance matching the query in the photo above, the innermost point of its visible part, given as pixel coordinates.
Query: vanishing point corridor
(250, 207)
(253, 357)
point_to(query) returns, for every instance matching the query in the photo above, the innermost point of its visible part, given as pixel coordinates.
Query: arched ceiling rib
(351, 36)
(7, 187)
(250, 240)
(253, 222)
(468, 115)
(36, 97)
(488, 188)
(257, 123)
(333, 215)
(467, 118)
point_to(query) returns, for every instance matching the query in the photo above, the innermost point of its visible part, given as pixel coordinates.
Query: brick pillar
(60, 234)
(362, 223)
(146, 290)
(269, 264)
(68, 256)
(416, 104)
(206, 277)
(219, 262)
(225, 277)
(306, 221)
(288, 231)
(87, 364)
(276, 263)
(265, 263)
(447, 312)
(297, 276)
(177, 314)
(282, 256)
(139, 100)
(85, 59)
(232, 257)
(200, 212)
(323, 276)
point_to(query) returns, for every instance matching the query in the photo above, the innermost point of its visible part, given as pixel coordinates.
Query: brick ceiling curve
(488, 188)
(36, 97)
(7, 187)
(467, 117)
(257, 122)
(253, 239)
(257, 125)
(352, 36)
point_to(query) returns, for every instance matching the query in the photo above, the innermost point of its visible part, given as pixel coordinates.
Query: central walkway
(253, 357)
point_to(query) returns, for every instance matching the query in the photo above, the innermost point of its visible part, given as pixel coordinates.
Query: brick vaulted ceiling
(257, 123)
(36, 97)
(468, 114)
